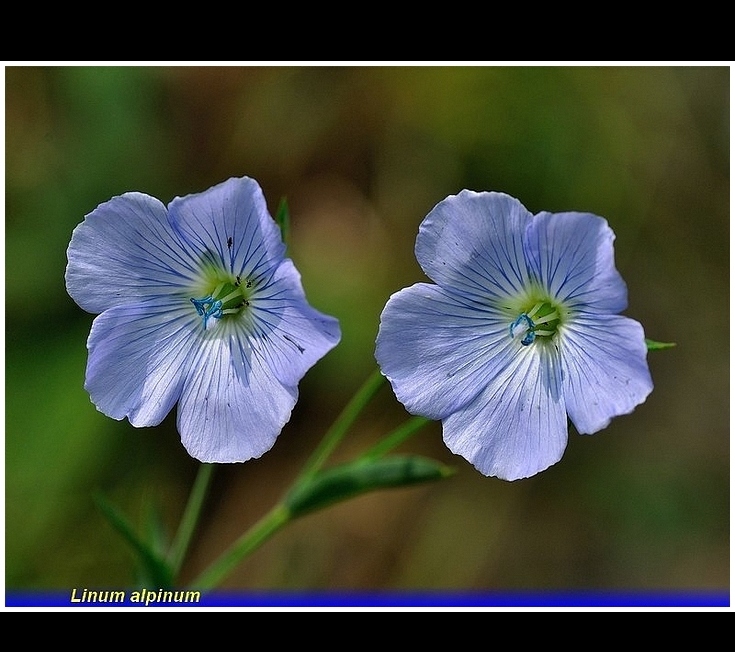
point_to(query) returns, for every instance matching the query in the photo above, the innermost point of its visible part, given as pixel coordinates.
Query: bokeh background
(362, 154)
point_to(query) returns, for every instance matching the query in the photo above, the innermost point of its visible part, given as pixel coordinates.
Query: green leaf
(283, 219)
(155, 571)
(655, 346)
(155, 531)
(348, 480)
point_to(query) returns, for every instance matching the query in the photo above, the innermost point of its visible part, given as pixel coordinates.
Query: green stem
(338, 430)
(394, 439)
(280, 514)
(190, 518)
(247, 543)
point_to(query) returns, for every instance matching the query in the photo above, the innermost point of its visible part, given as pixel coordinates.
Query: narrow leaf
(348, 480)
(155, 530)
(655, 346)
(155, 569)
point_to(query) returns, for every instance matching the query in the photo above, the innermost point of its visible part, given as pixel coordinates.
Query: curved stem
(247, 543)
(339, 428)
(395, 438)
(280, 514)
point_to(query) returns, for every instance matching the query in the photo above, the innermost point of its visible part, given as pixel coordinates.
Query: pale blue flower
(520, 332)
(197, 304)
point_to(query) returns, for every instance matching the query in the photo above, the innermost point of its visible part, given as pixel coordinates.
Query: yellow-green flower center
(225, 298)
(538, 320)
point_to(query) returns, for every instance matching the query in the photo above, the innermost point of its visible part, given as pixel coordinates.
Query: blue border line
(125, 598)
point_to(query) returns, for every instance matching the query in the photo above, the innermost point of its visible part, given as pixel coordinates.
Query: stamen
(232, 295)
(547, 318)
(544, 333)
(534, 310)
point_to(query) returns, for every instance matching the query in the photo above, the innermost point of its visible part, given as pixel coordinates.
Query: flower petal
(231, 221)
(438, 350)
(125, 251)
(472, 242)
(232, 408)
(288, 334)
(605, 369)
(243, 384)
(138, 355)
(517, 426)
(571, 255)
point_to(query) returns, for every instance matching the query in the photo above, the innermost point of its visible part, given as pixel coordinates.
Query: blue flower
(197, 304)
(520, 331)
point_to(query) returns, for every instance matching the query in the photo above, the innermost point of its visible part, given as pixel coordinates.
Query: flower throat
(227, 298)
(542, 320)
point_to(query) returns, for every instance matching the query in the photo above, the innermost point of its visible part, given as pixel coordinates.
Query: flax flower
(520, 330)
(196, 304)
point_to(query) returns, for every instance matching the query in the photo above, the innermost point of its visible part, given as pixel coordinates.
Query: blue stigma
(524, 322)
(208, 307)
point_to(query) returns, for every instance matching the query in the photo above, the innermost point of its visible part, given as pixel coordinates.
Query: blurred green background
(362, 154)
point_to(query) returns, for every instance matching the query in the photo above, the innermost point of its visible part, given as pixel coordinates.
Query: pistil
(227, 298)
(526, 326)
